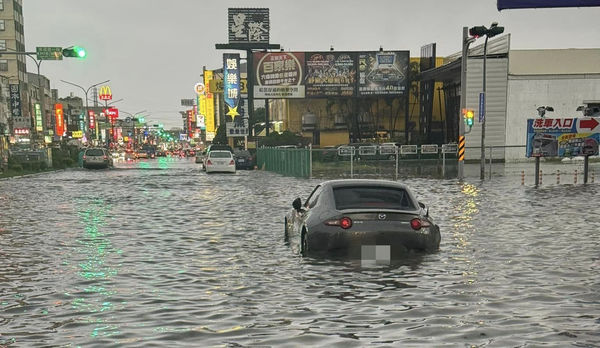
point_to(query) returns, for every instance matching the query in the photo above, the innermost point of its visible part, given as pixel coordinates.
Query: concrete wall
(526, 93)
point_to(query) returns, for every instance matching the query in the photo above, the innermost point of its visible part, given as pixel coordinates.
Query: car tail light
(231, 163)
(344, 223)
(105, 157)
(417, 223)
(208, 163)
(84, 157)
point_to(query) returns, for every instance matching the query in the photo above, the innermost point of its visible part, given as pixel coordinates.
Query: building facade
(13, 67)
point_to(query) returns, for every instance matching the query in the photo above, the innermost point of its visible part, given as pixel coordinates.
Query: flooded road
(157, 253)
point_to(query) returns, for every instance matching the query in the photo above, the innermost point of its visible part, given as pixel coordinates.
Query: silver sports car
(345, 215)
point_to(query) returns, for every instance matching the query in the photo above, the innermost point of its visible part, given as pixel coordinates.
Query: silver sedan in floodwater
(346, 215)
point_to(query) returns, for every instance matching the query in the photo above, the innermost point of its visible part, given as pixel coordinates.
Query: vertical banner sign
(59, 119)
(248, 25)
(112, 114)
(231, 80)
(279, 75)
(481, 107)
(15, 100)
(209, 116)
(190, 117)
(18, 119)
(38, 118)
(92, 119)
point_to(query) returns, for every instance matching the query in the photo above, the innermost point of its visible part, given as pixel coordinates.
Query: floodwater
(157, 253)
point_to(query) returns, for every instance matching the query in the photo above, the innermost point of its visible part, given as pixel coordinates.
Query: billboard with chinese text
(562, 137)
(248, 25)
(330, 74)
(279, 75)
(383, 73)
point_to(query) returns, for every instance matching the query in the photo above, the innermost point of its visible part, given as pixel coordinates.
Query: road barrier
(285, 161)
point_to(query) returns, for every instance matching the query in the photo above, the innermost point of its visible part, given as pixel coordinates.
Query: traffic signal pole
(463, 102)
(482, 163)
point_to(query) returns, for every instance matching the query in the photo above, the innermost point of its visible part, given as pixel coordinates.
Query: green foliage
(257, 117)
(285, 138)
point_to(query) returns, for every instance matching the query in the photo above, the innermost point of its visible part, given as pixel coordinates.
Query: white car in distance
(219, 161)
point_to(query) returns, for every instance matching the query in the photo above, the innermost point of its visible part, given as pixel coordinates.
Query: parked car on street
(219, 161)
(344, 215)
(97, 157)
(243, 159)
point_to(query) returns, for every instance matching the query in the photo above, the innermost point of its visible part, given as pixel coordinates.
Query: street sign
(481, 107)
(449, 148)
(367, 150)
(562, 137)
(388, 149)
(346, 150)
(408, 149)
(49, 53)
(429, 149)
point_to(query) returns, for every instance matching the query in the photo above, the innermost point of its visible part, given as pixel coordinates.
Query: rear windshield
(94, 152)
(220, 154)
(369, 197)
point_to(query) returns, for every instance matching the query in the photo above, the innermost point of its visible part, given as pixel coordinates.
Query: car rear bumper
(220, 169)
(350, 242)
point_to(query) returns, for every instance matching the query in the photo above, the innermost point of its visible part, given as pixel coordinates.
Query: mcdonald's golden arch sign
(105, 93)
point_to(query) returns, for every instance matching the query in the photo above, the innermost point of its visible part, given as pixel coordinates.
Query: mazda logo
(382, 216)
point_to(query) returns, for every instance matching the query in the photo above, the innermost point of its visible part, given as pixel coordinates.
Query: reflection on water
(157, 253)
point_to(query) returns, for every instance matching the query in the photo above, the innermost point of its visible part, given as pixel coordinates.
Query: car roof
(363, 182)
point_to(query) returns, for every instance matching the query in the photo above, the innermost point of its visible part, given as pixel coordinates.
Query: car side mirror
(424, 207)
(297, 204)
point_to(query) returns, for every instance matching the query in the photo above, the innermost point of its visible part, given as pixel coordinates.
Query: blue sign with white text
(481, 107)
(508, 4)
(231, 80)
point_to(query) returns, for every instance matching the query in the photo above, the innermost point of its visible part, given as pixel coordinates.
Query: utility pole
(466, 41)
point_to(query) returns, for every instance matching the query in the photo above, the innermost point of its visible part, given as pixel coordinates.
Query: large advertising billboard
(383, 73)
(330, 74)
(279, 74)
(562, 137)
(248, 25)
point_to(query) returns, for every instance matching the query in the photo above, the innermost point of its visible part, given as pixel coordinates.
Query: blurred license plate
(240, 160)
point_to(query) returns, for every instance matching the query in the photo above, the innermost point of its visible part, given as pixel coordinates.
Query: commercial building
(517, 83)
(13, 67)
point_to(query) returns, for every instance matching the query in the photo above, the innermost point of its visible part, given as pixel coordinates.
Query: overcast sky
(153, 50)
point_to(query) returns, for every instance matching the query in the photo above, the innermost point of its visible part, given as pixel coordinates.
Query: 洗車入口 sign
(562, 137)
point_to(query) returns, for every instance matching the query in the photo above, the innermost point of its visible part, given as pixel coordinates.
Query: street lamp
(476, 32)
(86, 91)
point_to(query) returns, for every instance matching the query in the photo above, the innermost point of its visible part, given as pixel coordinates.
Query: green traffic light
(80, 51)
(75, 51)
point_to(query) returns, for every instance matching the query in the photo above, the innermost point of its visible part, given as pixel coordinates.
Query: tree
(221, 136)
(256, 118)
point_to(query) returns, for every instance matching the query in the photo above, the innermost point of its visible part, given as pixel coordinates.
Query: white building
(517, 83)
